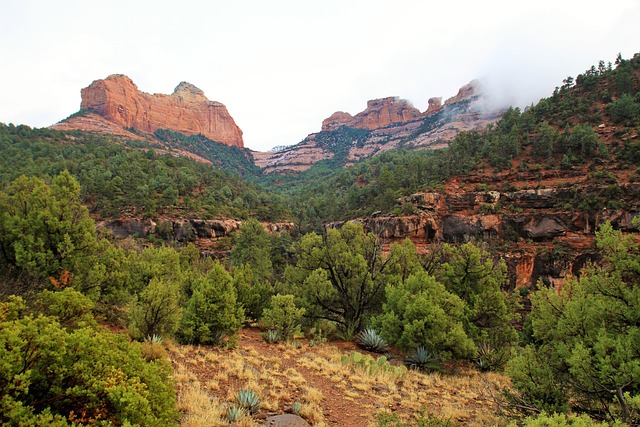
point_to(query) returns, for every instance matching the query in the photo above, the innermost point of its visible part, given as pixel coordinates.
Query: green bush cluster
(76, 375)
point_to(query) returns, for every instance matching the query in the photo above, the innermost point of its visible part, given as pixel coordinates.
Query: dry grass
(199, 407)
(329, 392)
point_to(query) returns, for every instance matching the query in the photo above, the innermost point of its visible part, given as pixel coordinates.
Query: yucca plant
(234, 413)
(272, 336)
(422, 359)
(296, 407)
(249, 400)
(370, 340)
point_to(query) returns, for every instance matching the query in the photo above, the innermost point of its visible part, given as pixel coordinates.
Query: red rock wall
(379, 113)
(187, 110)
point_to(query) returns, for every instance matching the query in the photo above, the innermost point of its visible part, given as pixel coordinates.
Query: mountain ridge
(392, 122)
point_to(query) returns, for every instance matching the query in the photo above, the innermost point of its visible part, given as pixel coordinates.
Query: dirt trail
(337, 410)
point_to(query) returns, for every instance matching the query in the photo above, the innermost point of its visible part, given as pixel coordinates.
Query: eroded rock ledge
(537, 231)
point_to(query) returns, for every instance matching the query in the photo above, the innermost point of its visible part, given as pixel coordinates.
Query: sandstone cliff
(391, 122)
(539, 235)
(187, 110)
(379, 113)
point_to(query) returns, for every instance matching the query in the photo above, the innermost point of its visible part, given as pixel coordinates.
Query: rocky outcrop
(187, 110)
(199, 231)
(541, 236)
(379, 113)
(93, 122)
(434, 105)
(471, 89)
(392, 122)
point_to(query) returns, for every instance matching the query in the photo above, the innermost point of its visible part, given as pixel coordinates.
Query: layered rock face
(540, 238)
(379, 113)
(187, 110)
(391, 122)
(204, 233)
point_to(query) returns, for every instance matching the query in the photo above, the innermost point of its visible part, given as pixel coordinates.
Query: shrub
(372, 366)
(253, 294)
(283, 316)
(584, 339)
(490, 358)
(157, 310)
(562, 420)
(423, 360)
(212, 313)
(70, 307)
(422, 419)
(235, 413)
(625, 110)
(421, 312)
(51, 375)
(272, 336)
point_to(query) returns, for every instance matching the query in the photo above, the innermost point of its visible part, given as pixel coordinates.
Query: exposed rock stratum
(187, 110)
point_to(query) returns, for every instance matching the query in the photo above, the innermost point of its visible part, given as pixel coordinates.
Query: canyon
(114, 106)
(529, 216)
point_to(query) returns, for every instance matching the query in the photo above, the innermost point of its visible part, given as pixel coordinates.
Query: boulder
(286, 420)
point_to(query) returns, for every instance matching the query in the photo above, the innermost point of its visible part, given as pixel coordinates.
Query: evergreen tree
(586, 339)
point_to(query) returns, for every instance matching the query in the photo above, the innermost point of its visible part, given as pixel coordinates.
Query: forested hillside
(132, 179)
(560, 133)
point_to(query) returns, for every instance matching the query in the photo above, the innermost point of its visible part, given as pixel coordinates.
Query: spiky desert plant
(249, 400)
(153, 339)
(422, 359)
(370, 340)
(272, 336)
(235, 412)
(489, 358)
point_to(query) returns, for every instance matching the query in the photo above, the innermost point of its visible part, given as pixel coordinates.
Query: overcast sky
(282, 66)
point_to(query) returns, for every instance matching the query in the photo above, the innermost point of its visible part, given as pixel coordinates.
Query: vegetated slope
(229, 158)
(534, 188)
(128, 178)
(589, 125)
(329, 389)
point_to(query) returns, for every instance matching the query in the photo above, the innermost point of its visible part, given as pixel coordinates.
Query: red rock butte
(187, 110)
(387, 111)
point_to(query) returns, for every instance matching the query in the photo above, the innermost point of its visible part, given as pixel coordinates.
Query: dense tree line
(117, 179)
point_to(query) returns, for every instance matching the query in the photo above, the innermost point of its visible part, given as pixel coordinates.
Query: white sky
(282, 66)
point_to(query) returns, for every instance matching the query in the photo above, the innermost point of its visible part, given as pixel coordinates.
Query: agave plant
(153, 339)
(249, 400)
(234, 413)
(272, 336)
(489, 358)
(370, 340)
(422, 359)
